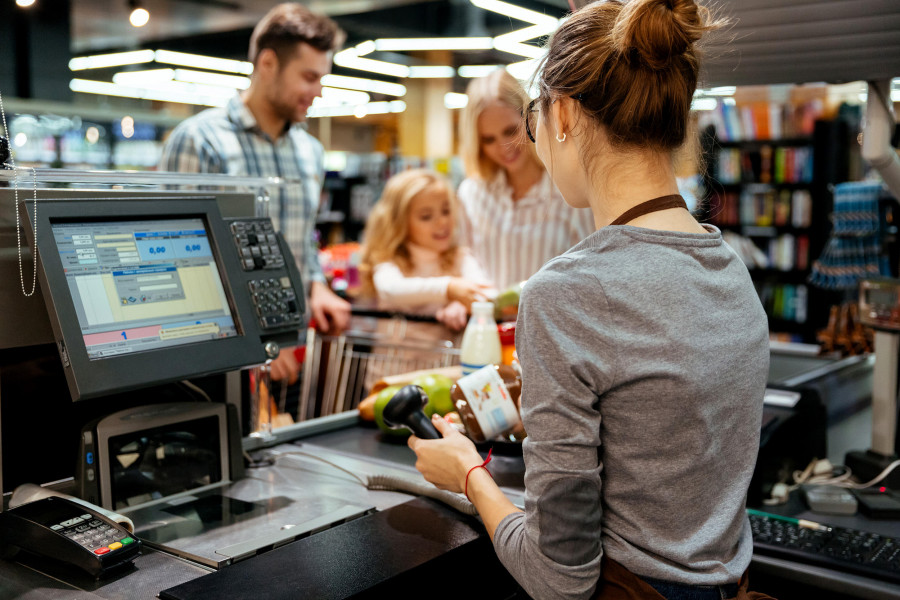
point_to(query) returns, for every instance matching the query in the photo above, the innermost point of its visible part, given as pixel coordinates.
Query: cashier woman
(644, 348)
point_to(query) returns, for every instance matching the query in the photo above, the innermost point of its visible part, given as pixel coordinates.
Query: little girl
(411, 261)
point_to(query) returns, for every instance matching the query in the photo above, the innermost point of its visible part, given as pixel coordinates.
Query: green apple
(437, 388)
(381, 400)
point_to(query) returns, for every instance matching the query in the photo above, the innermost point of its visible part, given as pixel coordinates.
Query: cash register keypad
(257, 244)
(275, 302)
(92, 533)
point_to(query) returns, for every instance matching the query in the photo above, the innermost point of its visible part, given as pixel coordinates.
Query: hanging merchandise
(853, 250)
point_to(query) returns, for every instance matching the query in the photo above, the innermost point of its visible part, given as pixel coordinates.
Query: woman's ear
(562, 117)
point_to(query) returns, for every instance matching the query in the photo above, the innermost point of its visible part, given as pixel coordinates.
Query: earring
(561, 140)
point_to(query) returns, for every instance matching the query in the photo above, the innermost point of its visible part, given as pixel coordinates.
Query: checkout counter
(303, 527)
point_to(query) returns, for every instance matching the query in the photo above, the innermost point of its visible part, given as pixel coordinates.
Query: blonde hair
(387, 228)
(632, 66)
(499, 86)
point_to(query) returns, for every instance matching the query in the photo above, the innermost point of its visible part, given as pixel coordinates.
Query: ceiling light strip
(364, 84)
(431, 71)
(106, 88)
(448, 43)
(517, 12)
(116, 59)
(199, 61)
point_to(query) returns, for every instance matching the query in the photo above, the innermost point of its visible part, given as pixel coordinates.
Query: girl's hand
(466, 292)
(454, 315)
(445, 462)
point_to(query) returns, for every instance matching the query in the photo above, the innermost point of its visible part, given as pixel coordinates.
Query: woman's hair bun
(656, 31)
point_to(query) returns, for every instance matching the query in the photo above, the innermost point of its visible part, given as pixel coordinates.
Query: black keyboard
(838, 548)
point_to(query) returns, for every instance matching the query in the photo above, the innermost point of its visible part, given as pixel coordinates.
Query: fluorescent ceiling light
(117, 59)
(228, 81)
(512, 42)
(203, 62)
(173, 92)
(432, 71)
(523, 70)
(454, 100)
(351, 59)
(476, 70)
(336, 96)
(363, 48)
(704, 104)
(517, 12)
(725, 90)
(144, 77)
(372, 108)
(366, 85)
(450, 43)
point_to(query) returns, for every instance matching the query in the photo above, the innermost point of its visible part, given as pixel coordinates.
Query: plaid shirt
(228, 140)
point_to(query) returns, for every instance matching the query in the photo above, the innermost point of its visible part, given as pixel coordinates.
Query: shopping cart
(339, 371)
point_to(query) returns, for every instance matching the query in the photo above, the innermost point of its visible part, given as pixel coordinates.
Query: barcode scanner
(405, 410)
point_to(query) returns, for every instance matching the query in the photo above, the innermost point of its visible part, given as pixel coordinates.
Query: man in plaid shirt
(261, 133)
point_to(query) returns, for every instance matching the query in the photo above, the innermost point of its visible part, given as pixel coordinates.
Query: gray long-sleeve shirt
(645, 358)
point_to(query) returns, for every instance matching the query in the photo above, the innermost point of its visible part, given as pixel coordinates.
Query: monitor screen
(143, 291)
(143, 285)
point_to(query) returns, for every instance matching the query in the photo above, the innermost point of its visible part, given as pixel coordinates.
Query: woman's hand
(445, 462)
(466, 292)
(454, 315)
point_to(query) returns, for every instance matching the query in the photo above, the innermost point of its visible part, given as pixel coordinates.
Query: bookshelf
(775, 193)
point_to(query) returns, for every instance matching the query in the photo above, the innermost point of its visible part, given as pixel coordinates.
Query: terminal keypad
(257, 244)
(275, 302)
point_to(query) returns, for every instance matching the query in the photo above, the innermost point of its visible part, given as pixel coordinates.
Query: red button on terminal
(102, 550)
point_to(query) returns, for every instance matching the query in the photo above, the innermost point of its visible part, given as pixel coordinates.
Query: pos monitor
(143, 291)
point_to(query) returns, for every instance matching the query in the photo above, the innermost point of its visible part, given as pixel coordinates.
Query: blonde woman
(411, 260)
(514, 218)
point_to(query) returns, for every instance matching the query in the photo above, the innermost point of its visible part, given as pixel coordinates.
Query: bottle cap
(483, 308)
(507, 332)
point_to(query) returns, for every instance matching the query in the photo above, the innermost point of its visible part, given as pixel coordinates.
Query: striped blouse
(228, 140)
(513, 239)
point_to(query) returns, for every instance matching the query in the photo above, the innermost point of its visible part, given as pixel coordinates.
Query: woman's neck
(632, 179)
(522, 179)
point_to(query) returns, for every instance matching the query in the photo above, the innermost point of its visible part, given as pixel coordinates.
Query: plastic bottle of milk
(481, 342)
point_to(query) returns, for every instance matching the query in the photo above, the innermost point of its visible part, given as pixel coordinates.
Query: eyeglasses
(530, 117)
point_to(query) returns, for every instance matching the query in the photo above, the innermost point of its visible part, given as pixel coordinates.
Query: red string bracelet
(481, 466)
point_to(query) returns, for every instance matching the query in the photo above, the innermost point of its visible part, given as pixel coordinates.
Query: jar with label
(481, 343)
(488, 403)
(507, 332)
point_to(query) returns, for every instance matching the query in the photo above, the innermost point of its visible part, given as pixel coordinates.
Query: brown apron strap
(661, 203)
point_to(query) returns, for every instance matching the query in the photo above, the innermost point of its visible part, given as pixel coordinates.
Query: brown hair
(497, 87)
(289, 24)
(387, 227)
(632, 65)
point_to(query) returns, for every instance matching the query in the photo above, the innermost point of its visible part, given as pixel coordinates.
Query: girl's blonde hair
(387, 227)
(498, 86)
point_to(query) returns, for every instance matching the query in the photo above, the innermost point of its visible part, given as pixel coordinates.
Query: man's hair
(289, 24)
